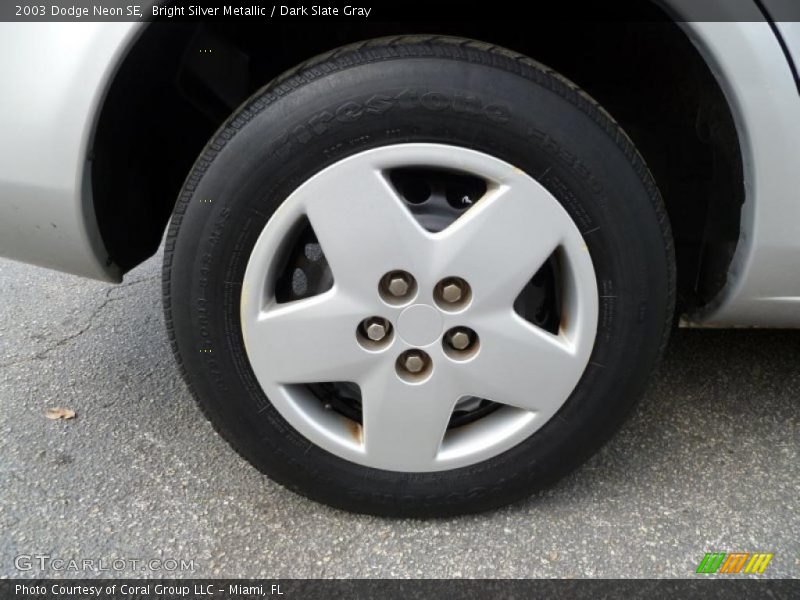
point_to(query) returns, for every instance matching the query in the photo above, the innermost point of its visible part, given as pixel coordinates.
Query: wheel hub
(420, 325)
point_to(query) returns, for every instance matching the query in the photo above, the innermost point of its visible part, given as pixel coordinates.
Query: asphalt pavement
(708, 462)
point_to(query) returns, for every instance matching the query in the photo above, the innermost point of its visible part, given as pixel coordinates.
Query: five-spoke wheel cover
(368, 236)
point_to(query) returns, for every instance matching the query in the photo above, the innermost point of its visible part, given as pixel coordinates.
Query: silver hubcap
(420, 320)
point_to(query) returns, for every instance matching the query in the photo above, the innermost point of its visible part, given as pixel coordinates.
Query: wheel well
(182, 80)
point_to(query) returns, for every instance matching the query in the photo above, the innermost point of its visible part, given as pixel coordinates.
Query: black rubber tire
(418, 89)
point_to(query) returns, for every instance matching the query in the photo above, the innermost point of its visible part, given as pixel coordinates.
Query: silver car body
(48, 117)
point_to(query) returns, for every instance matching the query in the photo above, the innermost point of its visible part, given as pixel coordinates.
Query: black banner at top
(400, 10)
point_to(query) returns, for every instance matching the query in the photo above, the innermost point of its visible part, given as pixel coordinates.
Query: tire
(417, 90)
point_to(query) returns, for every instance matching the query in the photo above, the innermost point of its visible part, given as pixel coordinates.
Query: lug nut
(452, 293)
(397, 287)
(459, 340)
(460, 343)
(413, 365)
(376, 330)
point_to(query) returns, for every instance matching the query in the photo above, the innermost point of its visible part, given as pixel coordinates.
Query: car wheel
(418, 276)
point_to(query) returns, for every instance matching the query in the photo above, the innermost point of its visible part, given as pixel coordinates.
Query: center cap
(420, 325)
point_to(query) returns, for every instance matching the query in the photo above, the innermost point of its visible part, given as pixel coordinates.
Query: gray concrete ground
(708, 462)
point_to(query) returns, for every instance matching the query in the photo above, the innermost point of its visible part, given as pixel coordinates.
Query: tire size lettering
(407, 99)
